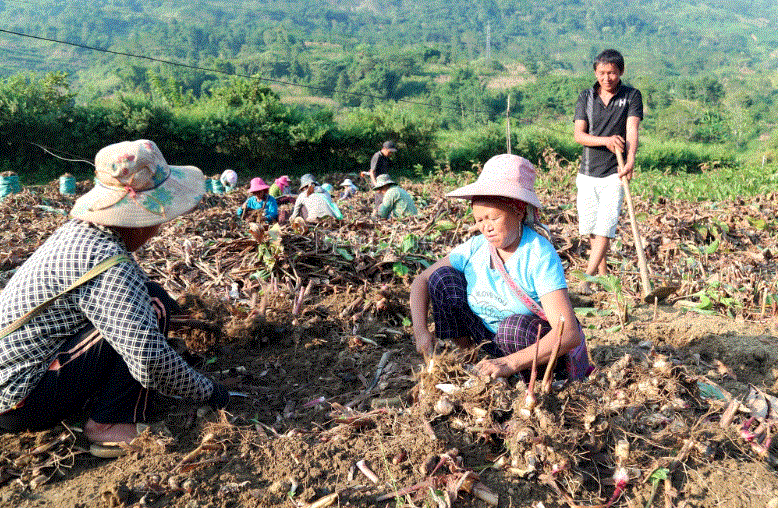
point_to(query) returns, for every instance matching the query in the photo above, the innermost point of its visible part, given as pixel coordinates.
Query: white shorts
(599, 201)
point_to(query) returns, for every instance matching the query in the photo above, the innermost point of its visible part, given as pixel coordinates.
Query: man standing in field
(381, 162)
(606, 120)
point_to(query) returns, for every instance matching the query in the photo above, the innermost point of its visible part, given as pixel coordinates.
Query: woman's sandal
(112, 450)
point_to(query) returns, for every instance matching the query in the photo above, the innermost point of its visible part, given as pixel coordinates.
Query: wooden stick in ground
(532, 381)
(547, 381)
(640, 249)
(529, 404)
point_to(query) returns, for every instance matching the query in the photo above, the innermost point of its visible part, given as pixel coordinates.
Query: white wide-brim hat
(505, 175)
(135, 187)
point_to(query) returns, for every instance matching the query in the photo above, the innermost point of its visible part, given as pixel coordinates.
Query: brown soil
(278, 438)
(317, 406)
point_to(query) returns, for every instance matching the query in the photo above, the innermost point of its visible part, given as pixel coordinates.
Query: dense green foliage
(329, 82)
(289, 37)
(241, 124)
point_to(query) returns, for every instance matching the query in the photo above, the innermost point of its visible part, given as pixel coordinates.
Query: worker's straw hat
(307, 180)
(257, 184)
(506, 175)
(283, 182)
(135, 187)
(383, 180)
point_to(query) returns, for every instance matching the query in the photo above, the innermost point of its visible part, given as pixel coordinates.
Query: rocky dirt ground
(318, 338)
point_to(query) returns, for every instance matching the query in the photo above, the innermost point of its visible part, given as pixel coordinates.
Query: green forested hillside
(348, 72)
(664, 37)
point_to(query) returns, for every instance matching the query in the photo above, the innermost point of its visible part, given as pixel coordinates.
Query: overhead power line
(205, 69)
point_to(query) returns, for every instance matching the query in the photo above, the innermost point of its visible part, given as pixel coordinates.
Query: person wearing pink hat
(280, 190)
(83, 328)
(497, 288)
(260, 200)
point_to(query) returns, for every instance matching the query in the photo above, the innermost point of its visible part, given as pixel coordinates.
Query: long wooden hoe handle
(640, 249)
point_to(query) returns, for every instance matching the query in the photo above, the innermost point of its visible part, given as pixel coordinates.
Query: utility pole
(487, 41)
(508, 132)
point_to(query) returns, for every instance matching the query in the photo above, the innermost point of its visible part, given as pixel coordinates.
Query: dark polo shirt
(380, 164)
(605, 120)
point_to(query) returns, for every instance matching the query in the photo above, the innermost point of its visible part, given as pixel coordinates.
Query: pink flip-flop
(114, 449)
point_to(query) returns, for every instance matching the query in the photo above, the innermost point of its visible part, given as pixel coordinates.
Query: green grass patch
(717, 184)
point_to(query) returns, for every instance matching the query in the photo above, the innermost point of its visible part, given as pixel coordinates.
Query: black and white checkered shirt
(116, 302)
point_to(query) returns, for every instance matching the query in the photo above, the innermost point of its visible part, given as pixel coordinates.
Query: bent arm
(556, 305)
(297, 208)
(118, 304)
(372, 170)
(632, 143)
(271, 209)
(418, 306)
(581, 136)
(386, 206)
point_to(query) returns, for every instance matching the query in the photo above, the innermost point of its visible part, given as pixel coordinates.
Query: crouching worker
(313, 203)
(229, 179)
(498, 287)
(393, 200)
(260, 200)
(280, 190)
(349, 189)
(82, 326)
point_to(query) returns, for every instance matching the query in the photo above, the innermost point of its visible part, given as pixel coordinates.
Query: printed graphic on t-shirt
(492, 308)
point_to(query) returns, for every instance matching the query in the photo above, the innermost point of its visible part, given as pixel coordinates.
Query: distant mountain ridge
(662, 36)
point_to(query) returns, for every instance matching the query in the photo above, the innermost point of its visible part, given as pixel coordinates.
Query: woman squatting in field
(496, 288)
(84, 330)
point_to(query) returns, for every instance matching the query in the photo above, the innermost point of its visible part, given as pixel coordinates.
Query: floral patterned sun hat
(135, 187)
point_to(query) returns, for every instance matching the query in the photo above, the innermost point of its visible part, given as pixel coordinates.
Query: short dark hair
(609, 56)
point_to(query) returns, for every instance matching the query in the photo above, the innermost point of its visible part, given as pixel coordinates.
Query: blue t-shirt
(268, 205)
(535, 266)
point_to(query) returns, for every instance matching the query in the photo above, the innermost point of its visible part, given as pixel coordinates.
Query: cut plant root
(621, 423)
(446, 472)
(250, 328)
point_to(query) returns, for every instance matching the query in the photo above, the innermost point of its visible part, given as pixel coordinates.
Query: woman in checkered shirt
(101, 346)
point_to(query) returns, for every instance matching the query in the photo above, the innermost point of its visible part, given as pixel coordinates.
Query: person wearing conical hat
(499, 287)
(82, 325)
(350, 189)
